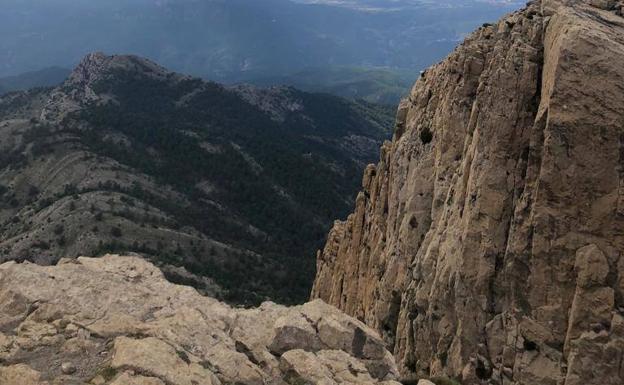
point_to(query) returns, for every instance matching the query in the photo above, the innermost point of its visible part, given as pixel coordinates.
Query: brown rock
(292, 331)
(19, 375)
(129, 379)
(592, 267)
(159, 359)
(302, 366)
(496, 214)
(116, 320)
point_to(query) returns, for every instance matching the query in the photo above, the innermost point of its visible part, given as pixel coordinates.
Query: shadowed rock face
(487, 243)
(116, 320)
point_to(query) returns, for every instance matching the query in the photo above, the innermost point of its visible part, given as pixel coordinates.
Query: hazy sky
(234, 39)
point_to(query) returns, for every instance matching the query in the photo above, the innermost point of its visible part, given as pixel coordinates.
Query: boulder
(300, 366)
(116, 321)
(159, 359)
(19, 374)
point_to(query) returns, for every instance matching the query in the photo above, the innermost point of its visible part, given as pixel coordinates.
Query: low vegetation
(274, 186)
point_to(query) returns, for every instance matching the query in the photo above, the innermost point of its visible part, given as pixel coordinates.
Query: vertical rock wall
(487, 243)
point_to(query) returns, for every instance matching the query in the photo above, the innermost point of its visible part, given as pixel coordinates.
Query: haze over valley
(231, 41)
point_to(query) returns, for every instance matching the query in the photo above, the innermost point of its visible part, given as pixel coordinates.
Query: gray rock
(68, 368)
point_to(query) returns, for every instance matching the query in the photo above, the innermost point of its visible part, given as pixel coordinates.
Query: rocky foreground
(116, 320)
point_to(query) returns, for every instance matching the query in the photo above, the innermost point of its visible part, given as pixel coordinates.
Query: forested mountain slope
(237, 185)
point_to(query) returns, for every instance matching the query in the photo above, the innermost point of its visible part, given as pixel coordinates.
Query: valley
(236, 185)
(231, 41)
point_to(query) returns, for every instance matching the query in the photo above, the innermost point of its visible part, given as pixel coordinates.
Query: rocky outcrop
(80, 88)
(487, 244)
(116, 320)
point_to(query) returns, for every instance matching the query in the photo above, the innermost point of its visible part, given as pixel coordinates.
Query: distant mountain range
(46, 77)
(379, 86)
(402, 5)
(235, 40)
(374, 85)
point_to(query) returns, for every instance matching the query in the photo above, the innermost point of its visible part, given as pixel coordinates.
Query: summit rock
(487, 245)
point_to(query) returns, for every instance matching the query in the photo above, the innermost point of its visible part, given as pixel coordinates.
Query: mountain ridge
(126, 156)
(230, 41)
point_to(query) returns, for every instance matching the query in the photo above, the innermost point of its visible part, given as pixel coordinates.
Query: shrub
(59, 229)
(116, 232)
(44, 203)
(183, 356)
(70, 189)
(42, 245)
(33, 191)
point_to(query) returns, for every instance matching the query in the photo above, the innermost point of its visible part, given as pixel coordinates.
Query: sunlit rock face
(487, 243)
(117, 320)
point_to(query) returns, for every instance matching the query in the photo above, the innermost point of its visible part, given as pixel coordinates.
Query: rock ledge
(116, 320)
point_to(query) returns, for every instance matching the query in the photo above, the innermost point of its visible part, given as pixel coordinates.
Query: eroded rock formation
(117, 321)
(487, 244)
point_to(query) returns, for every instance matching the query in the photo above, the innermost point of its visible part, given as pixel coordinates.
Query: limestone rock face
(487, 244)
(117, 321)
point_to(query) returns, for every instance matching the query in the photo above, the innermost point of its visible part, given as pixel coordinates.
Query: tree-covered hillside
(237, 185)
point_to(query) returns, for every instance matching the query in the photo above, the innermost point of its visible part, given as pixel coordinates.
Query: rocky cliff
(116, 320)
(487, 244)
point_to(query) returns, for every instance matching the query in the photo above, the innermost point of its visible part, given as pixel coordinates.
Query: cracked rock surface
(116, 320)
(488, 243)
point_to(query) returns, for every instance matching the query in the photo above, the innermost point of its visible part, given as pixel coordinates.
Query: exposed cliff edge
(487, 244)
(116, 320)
